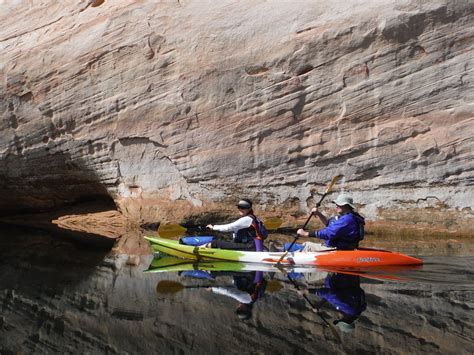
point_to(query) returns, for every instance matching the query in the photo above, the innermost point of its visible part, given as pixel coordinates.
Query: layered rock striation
(176, 108)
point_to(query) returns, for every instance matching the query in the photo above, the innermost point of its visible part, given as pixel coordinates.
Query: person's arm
(321, 217)
(324, 220)
(241, 296)
(241, 223)
(336, 229)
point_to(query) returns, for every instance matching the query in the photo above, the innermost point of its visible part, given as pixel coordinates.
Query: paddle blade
(168, 287)
(273, 223)
(171, 230)
(334, 180)
(334, 332)
(273, 286)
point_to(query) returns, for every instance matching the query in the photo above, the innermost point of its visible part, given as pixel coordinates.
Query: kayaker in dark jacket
(244, 235)
(248, 288)
(343, 231)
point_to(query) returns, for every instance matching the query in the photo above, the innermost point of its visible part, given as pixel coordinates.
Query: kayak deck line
(364, 257)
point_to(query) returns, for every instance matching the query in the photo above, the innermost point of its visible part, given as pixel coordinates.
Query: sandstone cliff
(179, 107)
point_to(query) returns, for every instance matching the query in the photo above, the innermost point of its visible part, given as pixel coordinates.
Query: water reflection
(340, 290)
(344, 294)
(57, 297)
(353, 318)
(246, 289)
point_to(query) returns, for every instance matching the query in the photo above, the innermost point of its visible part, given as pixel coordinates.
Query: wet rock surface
(110, 223)
(172, 109)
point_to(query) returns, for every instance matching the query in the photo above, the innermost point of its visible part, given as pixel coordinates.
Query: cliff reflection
(57, 296)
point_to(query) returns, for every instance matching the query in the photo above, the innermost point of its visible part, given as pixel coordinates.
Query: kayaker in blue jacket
(244, 235)
(343, 231)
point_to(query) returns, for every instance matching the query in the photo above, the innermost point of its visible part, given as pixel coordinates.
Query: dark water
(59, 297)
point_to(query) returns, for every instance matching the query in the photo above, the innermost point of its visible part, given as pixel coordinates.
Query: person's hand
(304, 292)
(210, 226)
(315, 211)
(302, 232)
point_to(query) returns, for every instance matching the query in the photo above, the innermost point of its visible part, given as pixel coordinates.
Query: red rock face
(176, 109)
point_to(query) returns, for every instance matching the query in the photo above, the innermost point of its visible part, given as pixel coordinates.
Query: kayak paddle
(334, 180)
(174, 230)
(315, 309)
(171, 287)
(171, 229)
(272, 223)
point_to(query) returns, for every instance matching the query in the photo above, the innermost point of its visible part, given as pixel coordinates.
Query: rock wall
(175, 108)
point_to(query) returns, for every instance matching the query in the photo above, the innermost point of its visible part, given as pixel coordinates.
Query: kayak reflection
(170, 263)
(340, 291)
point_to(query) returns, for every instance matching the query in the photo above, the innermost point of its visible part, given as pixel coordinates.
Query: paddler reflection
(246, 289)
(344, 294)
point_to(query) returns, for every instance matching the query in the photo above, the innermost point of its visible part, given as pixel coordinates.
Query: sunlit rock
(173, 109)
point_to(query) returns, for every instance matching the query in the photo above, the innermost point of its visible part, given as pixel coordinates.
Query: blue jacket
(342, 232)
(344, 293)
